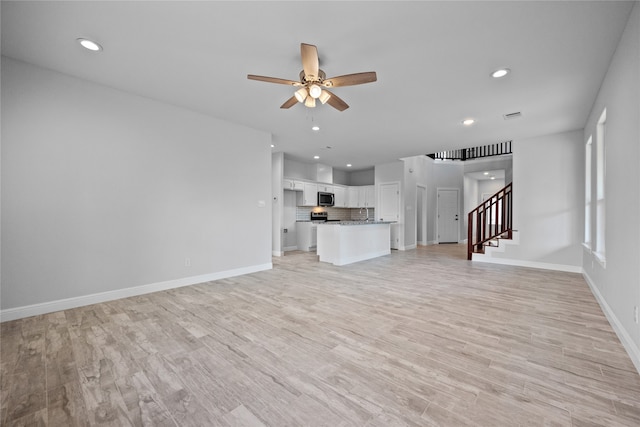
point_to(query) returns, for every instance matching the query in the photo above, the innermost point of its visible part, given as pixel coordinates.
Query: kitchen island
(346, 242)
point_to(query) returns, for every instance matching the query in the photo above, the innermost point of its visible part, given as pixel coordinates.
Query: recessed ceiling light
(316, 157)
(272, 145)
(348, 165)
(501, 72)
(468, 122)
(89, 44)
(315, 128)
(493, 177)
(486, 173)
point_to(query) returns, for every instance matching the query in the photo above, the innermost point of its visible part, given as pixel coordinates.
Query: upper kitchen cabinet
(362, 197)
(310, 194)
(369, 196)
(341, 199)
(292, 184)
(325, 188)
(352, 197)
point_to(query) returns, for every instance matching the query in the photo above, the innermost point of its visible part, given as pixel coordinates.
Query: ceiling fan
(313, 84)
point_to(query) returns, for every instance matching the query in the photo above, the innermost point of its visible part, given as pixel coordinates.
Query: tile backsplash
(303, 213)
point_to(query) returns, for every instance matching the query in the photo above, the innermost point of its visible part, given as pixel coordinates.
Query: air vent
(512, 115)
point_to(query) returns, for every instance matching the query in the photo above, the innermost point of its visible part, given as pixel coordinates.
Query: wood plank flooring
(416, 338)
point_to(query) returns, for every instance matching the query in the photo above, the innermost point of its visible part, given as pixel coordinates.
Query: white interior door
(389, 205)
(448, 216)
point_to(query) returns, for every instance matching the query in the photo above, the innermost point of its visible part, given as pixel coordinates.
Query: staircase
(491, 222)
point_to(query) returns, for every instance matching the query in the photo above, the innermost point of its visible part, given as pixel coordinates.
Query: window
(601, 134)
(587, 194)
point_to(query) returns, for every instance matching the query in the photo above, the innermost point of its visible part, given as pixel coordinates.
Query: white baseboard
(530, 264)
(431, 242)
(628, 344)
(407, 248)
(277, 253)
(289, 248)
(65, 304)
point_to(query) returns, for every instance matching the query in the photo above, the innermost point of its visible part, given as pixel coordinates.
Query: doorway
(448, 224)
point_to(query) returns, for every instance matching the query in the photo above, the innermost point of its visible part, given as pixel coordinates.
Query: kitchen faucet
(366, 211)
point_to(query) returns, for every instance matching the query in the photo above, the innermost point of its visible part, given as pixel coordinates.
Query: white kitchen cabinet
(369, 196)
(325, 188)
(340, 193)
(307, 235)
(310, 194)
(292, 184)
(363, 196)
(353, 195)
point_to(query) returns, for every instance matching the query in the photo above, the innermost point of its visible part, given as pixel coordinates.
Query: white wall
(277, 201)
(548, 200)
(488, 186)
(362, 177)
(103, 191)
(389, 172)
(299, 170)
(317, 172)
(617, 284)
(340, 177)
(471, 196)
(412, 173)
(492, 163)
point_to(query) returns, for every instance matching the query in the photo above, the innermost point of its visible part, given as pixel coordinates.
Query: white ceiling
(433, 61)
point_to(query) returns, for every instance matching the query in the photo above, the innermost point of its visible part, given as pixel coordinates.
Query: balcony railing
(474, 152)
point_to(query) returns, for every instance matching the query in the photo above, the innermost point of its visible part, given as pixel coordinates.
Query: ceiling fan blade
(289, 102)
(351, 79)
(273, 80)
(310, 62)
(336, 102)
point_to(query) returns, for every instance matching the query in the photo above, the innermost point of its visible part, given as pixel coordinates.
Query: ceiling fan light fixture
(313, 80)
(301, 94)
(310, 102)
(315, 91)
(324, 97)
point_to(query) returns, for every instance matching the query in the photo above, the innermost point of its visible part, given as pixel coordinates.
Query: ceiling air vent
(512, 115)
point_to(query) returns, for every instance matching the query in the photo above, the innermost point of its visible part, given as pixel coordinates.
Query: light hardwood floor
(415, 338)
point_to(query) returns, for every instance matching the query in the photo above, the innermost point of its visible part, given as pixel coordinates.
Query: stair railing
(492, 219)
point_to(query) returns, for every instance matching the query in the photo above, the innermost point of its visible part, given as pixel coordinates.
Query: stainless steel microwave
(326, 199)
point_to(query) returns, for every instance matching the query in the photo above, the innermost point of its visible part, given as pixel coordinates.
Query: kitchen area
(337, 221)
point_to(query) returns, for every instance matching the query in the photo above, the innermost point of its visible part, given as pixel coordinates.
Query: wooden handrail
(492, 219)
